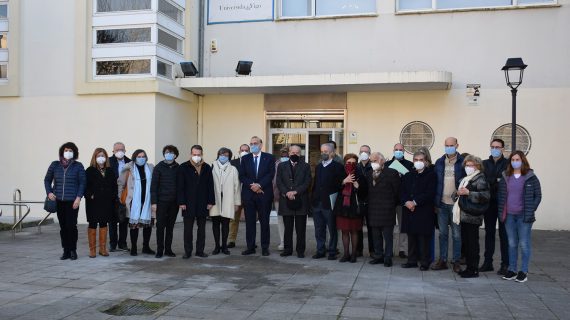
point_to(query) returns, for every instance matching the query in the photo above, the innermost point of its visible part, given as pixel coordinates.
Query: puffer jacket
(66, 184)
(532, 195)
(479, 192)
(163, 184)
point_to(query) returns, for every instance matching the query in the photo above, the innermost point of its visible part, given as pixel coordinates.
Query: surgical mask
(223, 159)
(450, 150)
(375, 166)
(364, 156)
(398, 154)
(495, 153)
(255, 148)
(294, 158)
(516, 164)
(169, 156)
(469, 170)
(101, 160)
(324, 156)
(283, 159)
(120, 154)
(68, 155)
(243, 153)
(140, 161)
(419, 165)
(196, 159)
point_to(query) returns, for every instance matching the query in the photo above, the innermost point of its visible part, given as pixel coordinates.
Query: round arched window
(523, 138)
(415, 135)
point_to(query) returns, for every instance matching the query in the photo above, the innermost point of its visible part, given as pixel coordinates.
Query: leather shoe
(402, 255)
(158, 255)
(486, 267)
(286, 254)
(353, 258)
(440, 265)
(332, 257)
(248, 252)
(265, 252)
(112, 249)
(318, 255)
(231, 245)
(469, 274)
(73, 255)
(344, 259)
(226, 252)
(408, 265)
(503, 270)
(377, 260)
(201, 255)
(148, 250)
(124, 248)
(456, 267)
(66, 255)
(186, 256)
(300, 255)
(388, 262)
(424, 268)
(216, 251)
(170, 254)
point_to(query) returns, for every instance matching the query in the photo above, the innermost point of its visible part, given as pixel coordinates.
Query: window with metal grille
(415, 135)
(505, 132)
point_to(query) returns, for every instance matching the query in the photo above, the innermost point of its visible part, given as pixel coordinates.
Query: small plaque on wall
(352, 137)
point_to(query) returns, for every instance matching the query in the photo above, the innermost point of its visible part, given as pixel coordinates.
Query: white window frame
(315, 16)
(172, 34)
(153, 37)
(153, 7)
(171, 69)
(514, 5)
(174, 5)
(152, 73)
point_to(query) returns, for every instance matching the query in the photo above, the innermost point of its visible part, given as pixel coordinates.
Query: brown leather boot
(92, 237)
(103, 242)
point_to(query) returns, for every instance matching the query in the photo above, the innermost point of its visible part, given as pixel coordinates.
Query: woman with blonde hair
(100, 200)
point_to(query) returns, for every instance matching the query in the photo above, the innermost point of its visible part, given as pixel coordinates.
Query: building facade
(358, 72)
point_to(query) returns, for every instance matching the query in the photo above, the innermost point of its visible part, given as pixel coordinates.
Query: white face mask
(364, 156)
(469, 170)
(67, 155)
(196, 159)
(243, 153)
(120, 154)
(375, 166)
(419, 165)
(101, 160)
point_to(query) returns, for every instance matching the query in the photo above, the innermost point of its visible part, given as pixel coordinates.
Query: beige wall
(175, 124)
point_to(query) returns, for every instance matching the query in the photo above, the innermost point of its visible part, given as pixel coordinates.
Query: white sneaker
(281, 247)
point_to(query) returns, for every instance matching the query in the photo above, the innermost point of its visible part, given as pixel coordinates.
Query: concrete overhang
(319, 83)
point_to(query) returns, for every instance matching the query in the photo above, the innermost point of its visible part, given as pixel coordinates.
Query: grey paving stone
(362, 312)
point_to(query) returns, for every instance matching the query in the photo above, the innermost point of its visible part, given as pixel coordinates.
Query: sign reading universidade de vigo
(233, 11)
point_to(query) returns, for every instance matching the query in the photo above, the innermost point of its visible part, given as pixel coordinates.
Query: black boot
(66, 255)
(73, 255)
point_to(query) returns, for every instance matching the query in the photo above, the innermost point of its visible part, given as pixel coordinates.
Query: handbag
(125, 192)
(50, 205)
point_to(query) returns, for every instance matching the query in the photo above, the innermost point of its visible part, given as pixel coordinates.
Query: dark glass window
(3, 11)
(123, 35)
(122, 5)
(164, 69)
(3, 71)
(169, 40)
(170, 10)
(105, 68)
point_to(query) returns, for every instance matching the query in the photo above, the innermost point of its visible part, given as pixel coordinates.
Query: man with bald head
(449, 172)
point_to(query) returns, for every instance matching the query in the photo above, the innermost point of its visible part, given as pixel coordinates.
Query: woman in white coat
(227, 190)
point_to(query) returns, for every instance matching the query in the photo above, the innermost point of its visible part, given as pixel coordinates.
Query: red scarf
(64, 162)
(349, 168)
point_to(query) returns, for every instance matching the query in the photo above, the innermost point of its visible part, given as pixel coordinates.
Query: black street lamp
(514, 69)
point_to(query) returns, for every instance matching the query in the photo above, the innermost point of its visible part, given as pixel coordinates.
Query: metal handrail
(19, 222)
(35, 202)
(17, 196)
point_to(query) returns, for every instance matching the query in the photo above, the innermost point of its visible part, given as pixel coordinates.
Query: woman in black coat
(101, 199)
(418, 193)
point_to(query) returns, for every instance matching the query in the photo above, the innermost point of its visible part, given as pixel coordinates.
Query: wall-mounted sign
(473, 93)
(352, 137)
(232, 11)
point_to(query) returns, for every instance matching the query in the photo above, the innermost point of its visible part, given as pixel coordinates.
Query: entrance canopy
(318, 83)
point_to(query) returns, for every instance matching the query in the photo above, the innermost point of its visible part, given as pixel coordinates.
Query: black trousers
(166, 213)
(67, 217)
(491, 218)
(360, 247)
(147, 232)
(470, 236)
(419, 249)
(189, 234)
(222, 224)
(383, 235)
(118, 236)
(299, 223)
(257, 208)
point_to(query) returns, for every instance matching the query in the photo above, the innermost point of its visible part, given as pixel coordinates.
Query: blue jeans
(518, 233)
(445, 219)
(323, 219)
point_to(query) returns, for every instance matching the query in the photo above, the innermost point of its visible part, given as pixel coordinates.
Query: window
(415, 135)
(308, 8)
(414, 5)
(123, 35)
(171, 11)
(3, 41)
(170, 41)
(523, 138)
(3, 72)
(122, 5)
(122, 67)
(3, 11)
(164, 69)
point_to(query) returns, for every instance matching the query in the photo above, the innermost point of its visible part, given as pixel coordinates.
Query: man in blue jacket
(449, 172)
(256, 175)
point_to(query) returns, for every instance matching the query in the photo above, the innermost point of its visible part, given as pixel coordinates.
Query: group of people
(458, 193)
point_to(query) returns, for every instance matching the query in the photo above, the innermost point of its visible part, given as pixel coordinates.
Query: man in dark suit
(256, 176)
(327, 184)
(293, 180)
(363, 169)
(234, 224)
(117, 162)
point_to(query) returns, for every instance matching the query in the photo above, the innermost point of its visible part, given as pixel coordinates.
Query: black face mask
(294, 158)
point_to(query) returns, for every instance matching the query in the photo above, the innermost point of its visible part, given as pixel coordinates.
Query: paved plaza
(37, 285)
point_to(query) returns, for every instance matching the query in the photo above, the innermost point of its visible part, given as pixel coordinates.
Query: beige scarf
(456, 209)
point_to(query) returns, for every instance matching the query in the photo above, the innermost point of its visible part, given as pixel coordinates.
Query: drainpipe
(201, 39)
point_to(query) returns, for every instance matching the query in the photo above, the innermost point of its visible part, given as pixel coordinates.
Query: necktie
(255, 164)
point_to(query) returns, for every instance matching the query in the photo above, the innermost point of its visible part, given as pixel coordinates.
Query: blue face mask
(516, 164)
(169, 156)
(223, 159)
(398, 154)
(450, 150)
(255, 148)
(495, 153)
(283, 159)
(140, 161)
